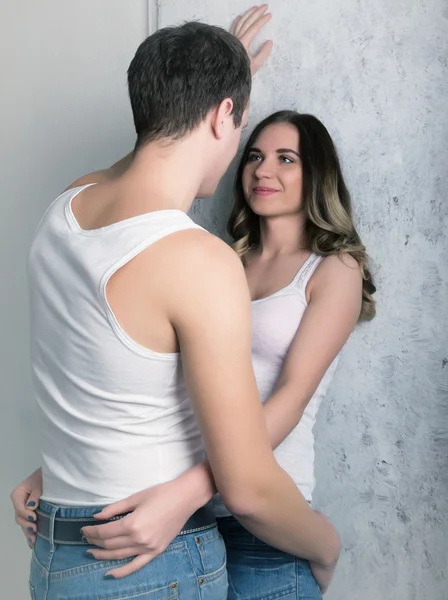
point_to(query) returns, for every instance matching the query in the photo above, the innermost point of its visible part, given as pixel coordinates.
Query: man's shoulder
(197, 267)
(103, 176)
(199, 250)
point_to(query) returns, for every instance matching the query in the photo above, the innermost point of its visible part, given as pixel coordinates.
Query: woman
(307, 273)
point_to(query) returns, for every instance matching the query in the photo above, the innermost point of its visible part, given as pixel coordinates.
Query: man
(122, 282)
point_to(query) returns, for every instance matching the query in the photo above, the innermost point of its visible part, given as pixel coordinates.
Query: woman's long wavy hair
(326, 201)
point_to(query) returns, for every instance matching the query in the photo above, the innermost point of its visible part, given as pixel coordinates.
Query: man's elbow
(244, 502)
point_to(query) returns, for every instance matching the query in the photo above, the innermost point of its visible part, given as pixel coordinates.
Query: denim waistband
(69, 512)
(62, 525)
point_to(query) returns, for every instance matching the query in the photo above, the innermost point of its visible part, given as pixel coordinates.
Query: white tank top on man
(116, 417)
(275, 321)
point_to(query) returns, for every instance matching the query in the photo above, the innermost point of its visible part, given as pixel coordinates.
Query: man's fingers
(132, 567)
(243, 18)
(247, 37)
(262, 55)
(100, 554)
(251, 20)
(235, 26)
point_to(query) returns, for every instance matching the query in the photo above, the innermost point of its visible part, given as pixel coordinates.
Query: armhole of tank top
(119, 332)
(306, 274)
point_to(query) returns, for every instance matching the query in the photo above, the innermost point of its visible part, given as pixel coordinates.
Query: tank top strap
(305, 273)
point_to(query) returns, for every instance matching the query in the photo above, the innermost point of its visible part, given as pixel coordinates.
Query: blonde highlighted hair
(326, 201)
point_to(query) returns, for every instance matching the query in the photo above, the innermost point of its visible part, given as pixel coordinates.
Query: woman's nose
(264, 169)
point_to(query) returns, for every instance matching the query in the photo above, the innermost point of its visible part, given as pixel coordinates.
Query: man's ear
(221, 116)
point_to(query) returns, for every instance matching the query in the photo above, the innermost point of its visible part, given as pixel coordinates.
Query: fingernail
(30, 518)
(84, 539)
(89, 554)
(31, 504)
(30, 529)
(109, 577)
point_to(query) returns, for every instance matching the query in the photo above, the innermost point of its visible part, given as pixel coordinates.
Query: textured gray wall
(375, 72)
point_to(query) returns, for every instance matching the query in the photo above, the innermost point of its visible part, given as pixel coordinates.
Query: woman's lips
(264, 191)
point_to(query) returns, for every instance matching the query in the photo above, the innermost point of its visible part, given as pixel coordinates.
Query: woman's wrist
(198, 486)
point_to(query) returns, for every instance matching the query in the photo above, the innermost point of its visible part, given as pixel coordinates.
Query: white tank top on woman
(276, 320)
(116, 417)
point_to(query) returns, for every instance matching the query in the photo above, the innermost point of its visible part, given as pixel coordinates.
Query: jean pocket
(170, 592)
(214, 586)
(122, 592)
(212, 552)
(308, 586)
(260, 572)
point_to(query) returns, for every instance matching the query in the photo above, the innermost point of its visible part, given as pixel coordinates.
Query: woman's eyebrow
(281, 150)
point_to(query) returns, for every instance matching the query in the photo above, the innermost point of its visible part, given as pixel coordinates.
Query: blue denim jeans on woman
(257, 571)
(193, 567)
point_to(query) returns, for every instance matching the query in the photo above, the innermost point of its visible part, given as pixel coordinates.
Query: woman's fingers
(116, 528)
(118, 508)
(115, 543)
(29, 529)
(24, 506)
(30, 536)
(131, 567)
(100, 554)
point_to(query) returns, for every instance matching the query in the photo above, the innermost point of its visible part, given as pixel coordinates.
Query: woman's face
(272, 176)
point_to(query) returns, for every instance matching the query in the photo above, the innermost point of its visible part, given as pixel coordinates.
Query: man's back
(116, 413)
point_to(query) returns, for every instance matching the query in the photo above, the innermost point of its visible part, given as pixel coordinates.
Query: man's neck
(163, 176)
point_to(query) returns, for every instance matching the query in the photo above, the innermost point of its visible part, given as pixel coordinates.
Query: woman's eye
(286, 159)
(253, 157)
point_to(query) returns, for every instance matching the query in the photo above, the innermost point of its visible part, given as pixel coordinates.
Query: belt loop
(52, 516)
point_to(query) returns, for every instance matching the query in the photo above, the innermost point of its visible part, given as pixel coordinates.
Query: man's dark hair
(179, 74)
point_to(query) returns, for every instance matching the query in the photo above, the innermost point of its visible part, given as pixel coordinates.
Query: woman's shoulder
(340, 262)
(340, 269)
